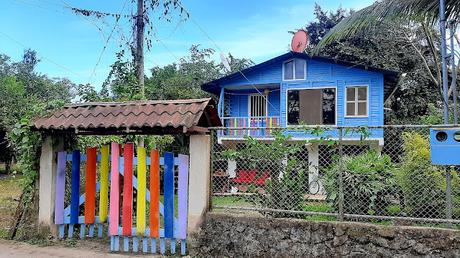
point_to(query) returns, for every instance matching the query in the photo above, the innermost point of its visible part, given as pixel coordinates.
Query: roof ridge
(137, 103)
(127, 114)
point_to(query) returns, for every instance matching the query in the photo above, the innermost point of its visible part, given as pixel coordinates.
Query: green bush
(422, 184)
(285, 188)
(368, 183)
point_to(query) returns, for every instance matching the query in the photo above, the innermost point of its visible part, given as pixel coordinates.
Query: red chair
(245, 177)
(262, 179)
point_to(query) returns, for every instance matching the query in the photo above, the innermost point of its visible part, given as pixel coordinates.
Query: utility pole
(140, 54)
(445, 89)
(140, 46)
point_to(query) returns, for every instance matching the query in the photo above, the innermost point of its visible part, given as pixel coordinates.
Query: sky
(83, 48)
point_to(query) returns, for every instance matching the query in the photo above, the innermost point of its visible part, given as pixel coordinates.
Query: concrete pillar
(47, 177)
(313, 169)
(199, 180)
(377, 146)
(231, 168)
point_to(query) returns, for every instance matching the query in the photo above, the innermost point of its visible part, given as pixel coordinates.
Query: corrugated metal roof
(162, 116)
(390, 77)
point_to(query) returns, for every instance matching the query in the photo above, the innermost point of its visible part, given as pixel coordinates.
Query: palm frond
(387, 11)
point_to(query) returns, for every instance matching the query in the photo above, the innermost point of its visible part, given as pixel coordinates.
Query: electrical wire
(93, 73)
(220, 50)
(41, 56)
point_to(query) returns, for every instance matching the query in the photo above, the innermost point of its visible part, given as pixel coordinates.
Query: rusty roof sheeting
(133, 115)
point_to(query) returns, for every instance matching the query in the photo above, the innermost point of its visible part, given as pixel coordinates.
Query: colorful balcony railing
(264, 124)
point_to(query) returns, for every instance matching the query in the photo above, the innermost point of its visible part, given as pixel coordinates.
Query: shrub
(368, 183)
(285, 188)
(423, 185)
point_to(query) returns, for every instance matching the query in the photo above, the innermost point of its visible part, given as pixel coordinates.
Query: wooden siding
(319, 75)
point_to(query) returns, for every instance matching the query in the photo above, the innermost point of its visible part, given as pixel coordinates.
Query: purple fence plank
(182, 195)
(60, 188)
(75, 189)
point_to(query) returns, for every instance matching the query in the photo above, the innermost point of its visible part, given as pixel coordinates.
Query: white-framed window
(357, 101)
(257, 105)
(294, 69)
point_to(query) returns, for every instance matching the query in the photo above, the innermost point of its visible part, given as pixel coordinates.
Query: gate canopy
(191, 116)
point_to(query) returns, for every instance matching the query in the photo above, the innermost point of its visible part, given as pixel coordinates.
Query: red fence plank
(154, 194)
(127, 219)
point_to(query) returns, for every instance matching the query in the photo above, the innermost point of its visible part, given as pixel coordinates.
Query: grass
(230, 201)
(10, 192)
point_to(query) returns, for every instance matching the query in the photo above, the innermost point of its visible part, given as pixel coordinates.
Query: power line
(41, 56)
(37, 5)
(106, 44)
(220, 50)
(87, 19)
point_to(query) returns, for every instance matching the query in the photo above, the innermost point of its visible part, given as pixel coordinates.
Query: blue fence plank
(169, 194)
(75, 190)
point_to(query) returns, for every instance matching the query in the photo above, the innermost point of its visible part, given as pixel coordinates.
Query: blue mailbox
(445, 146)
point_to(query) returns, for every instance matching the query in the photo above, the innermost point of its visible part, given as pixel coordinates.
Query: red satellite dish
(300, 41)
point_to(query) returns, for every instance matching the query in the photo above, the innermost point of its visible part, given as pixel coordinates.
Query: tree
(389, 46)
(21, 90)
(415, 18)
(324, 22)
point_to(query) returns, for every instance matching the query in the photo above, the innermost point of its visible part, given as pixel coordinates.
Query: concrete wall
(224, 235)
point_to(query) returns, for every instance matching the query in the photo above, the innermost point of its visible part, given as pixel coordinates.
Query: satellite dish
(225, 62)
(300, 41)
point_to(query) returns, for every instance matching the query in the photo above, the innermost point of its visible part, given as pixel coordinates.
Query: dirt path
(22, 250)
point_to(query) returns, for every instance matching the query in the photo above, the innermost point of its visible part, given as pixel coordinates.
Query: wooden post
(47, 178)
(199, 180)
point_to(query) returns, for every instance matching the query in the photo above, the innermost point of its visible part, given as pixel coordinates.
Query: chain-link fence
(381, 175)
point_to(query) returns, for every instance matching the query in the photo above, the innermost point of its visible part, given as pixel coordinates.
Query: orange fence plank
(90, 186)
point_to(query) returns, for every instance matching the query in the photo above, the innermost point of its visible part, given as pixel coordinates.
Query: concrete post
(47, 177)
(313, 170)
(199, 180)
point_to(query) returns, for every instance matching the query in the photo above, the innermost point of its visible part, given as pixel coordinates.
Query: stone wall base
(224, 235)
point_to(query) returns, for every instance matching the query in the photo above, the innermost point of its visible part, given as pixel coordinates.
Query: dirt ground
(24, 250)
(10, 192)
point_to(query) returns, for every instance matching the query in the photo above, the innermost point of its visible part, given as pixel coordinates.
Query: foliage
(367, 180)
(23, 90)
(324, 22)
(287, 173)
(27, 143)
(422, 184)
(373, 16)
(122, 80)
(401, 47)
(180, 80)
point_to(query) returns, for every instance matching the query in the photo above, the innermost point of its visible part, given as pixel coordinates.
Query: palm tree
(423, 14)
(419, 11)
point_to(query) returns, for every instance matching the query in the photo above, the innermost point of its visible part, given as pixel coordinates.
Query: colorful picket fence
(116, 202)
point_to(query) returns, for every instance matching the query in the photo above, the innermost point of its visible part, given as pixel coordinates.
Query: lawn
(10, 192)
(239, 201)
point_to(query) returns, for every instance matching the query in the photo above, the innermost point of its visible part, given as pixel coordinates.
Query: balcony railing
(265, 125)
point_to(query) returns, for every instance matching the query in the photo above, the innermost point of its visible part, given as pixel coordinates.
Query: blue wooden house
(296, 89)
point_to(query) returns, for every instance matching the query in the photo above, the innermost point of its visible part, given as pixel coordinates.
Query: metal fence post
(341, 199)
(448, 197)
(211, 167)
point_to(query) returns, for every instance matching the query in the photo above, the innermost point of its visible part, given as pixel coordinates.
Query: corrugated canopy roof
(134, 117)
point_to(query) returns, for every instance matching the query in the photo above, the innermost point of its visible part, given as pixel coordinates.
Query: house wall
(239, 104)
(319, 75)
